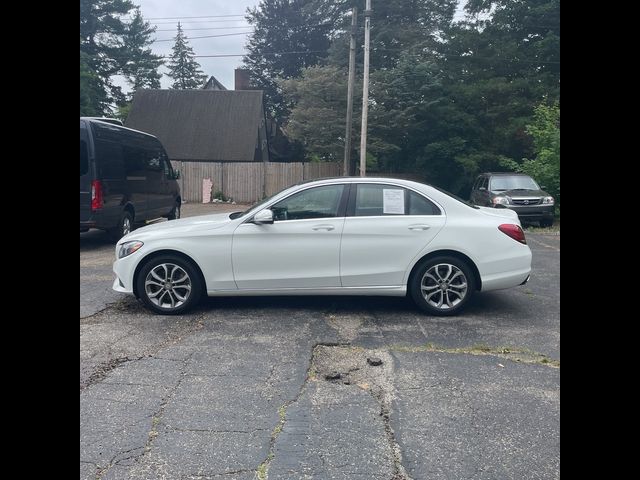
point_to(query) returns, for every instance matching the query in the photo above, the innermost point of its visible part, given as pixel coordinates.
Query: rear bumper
(84, 226)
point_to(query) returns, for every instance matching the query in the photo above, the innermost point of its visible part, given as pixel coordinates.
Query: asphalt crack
(262, 471)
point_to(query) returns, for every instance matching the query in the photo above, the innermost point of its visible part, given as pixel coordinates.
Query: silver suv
(516, 191)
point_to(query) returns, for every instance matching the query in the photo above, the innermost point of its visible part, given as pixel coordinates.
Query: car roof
(505, 173)
(399, 181)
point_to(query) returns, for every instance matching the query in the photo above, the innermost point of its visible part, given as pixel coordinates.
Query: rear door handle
(419, 227)
(323, 227)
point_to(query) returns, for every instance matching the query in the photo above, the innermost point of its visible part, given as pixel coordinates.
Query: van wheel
(124, 227)
(175, 213)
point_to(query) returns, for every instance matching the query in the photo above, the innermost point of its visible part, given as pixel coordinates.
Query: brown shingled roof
(200, 124)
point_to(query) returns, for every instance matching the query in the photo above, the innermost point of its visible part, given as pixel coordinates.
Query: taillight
(96, 195)
(514, 231)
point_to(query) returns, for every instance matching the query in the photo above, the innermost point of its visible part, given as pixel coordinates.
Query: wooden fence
(247, 182)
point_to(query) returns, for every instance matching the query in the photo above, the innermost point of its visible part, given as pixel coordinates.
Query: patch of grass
(522, 355)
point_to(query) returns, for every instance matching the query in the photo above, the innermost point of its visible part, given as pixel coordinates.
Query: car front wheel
(442, 286)
(169, 285)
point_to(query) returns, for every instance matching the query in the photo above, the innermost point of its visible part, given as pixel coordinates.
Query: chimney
(242, 79)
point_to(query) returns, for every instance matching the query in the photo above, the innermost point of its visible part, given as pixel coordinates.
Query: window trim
(351, 205)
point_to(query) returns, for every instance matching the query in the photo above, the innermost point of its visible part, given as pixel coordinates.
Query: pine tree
(183, 68)
(141, 68)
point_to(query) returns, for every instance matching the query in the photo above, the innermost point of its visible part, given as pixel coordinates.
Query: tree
(183, 67)
(110, 45)
(318, 119)
(304, 27)
(93, 96)
(545, 164)
(141, 67)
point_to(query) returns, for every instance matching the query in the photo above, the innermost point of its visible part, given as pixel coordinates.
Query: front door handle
(419, 227)
(323, 227)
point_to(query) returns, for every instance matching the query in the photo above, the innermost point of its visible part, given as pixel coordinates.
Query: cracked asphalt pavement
(280, 388)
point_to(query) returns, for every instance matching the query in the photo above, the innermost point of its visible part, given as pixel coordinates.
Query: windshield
(515, 182)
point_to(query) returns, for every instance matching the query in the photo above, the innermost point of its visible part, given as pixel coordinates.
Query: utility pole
(365, 91)
(352, 72)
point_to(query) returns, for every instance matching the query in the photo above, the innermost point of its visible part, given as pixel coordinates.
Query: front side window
(318, 202)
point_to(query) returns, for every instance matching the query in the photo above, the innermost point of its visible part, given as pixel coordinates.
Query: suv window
(317, 202)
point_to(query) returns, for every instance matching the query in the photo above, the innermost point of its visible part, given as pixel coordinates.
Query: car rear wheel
(442, 286)
(169, 285)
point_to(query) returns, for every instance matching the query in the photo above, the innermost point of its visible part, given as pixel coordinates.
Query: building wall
(246, 182)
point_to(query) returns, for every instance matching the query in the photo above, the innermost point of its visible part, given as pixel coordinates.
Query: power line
(201, 16)
(205, 28)
(200, 21)
(206, 36)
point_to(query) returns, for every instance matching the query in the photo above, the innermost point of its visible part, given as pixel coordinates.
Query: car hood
(179, 227)
(523, 193)
(500, 212)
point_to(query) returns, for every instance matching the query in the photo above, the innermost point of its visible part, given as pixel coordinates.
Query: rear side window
(419, 205)
(379, 200)
(84, 158)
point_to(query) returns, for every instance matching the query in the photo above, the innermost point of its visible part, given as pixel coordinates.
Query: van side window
(166, 165)
(109, 160)
(84, 158)
(134, 160)
(153, 159)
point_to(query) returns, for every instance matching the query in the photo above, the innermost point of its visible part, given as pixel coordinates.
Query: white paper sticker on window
(393, 201)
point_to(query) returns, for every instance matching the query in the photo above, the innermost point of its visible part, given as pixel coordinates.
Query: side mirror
(263, 216)
(176, 174)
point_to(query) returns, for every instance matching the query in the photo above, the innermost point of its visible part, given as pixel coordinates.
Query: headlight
(128, 248)
(547, 200)
(500, 201)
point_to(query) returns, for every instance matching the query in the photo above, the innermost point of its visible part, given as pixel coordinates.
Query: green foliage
(288, 26)
(183, 67)
(112, 44)
(545, 165)
(318, 121)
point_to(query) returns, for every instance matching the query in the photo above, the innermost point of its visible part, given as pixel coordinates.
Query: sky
(157, 11)
(164, 14)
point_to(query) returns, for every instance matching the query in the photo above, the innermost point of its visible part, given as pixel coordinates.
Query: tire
(175, 213)
(447, 282)
(163, 288)
(125, 226)
(547, 222)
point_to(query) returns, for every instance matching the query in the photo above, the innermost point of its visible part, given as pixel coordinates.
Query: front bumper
(533, 212)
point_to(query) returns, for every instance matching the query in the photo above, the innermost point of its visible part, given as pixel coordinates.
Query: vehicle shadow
(94, 239)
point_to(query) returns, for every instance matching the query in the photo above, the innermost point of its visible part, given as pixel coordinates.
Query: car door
(301, 249)
(385, 228)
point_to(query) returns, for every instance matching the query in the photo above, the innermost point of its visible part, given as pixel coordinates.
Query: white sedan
(341, 236)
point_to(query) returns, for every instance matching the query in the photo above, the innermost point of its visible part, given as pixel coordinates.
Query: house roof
(200, 124)
(213, 84)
